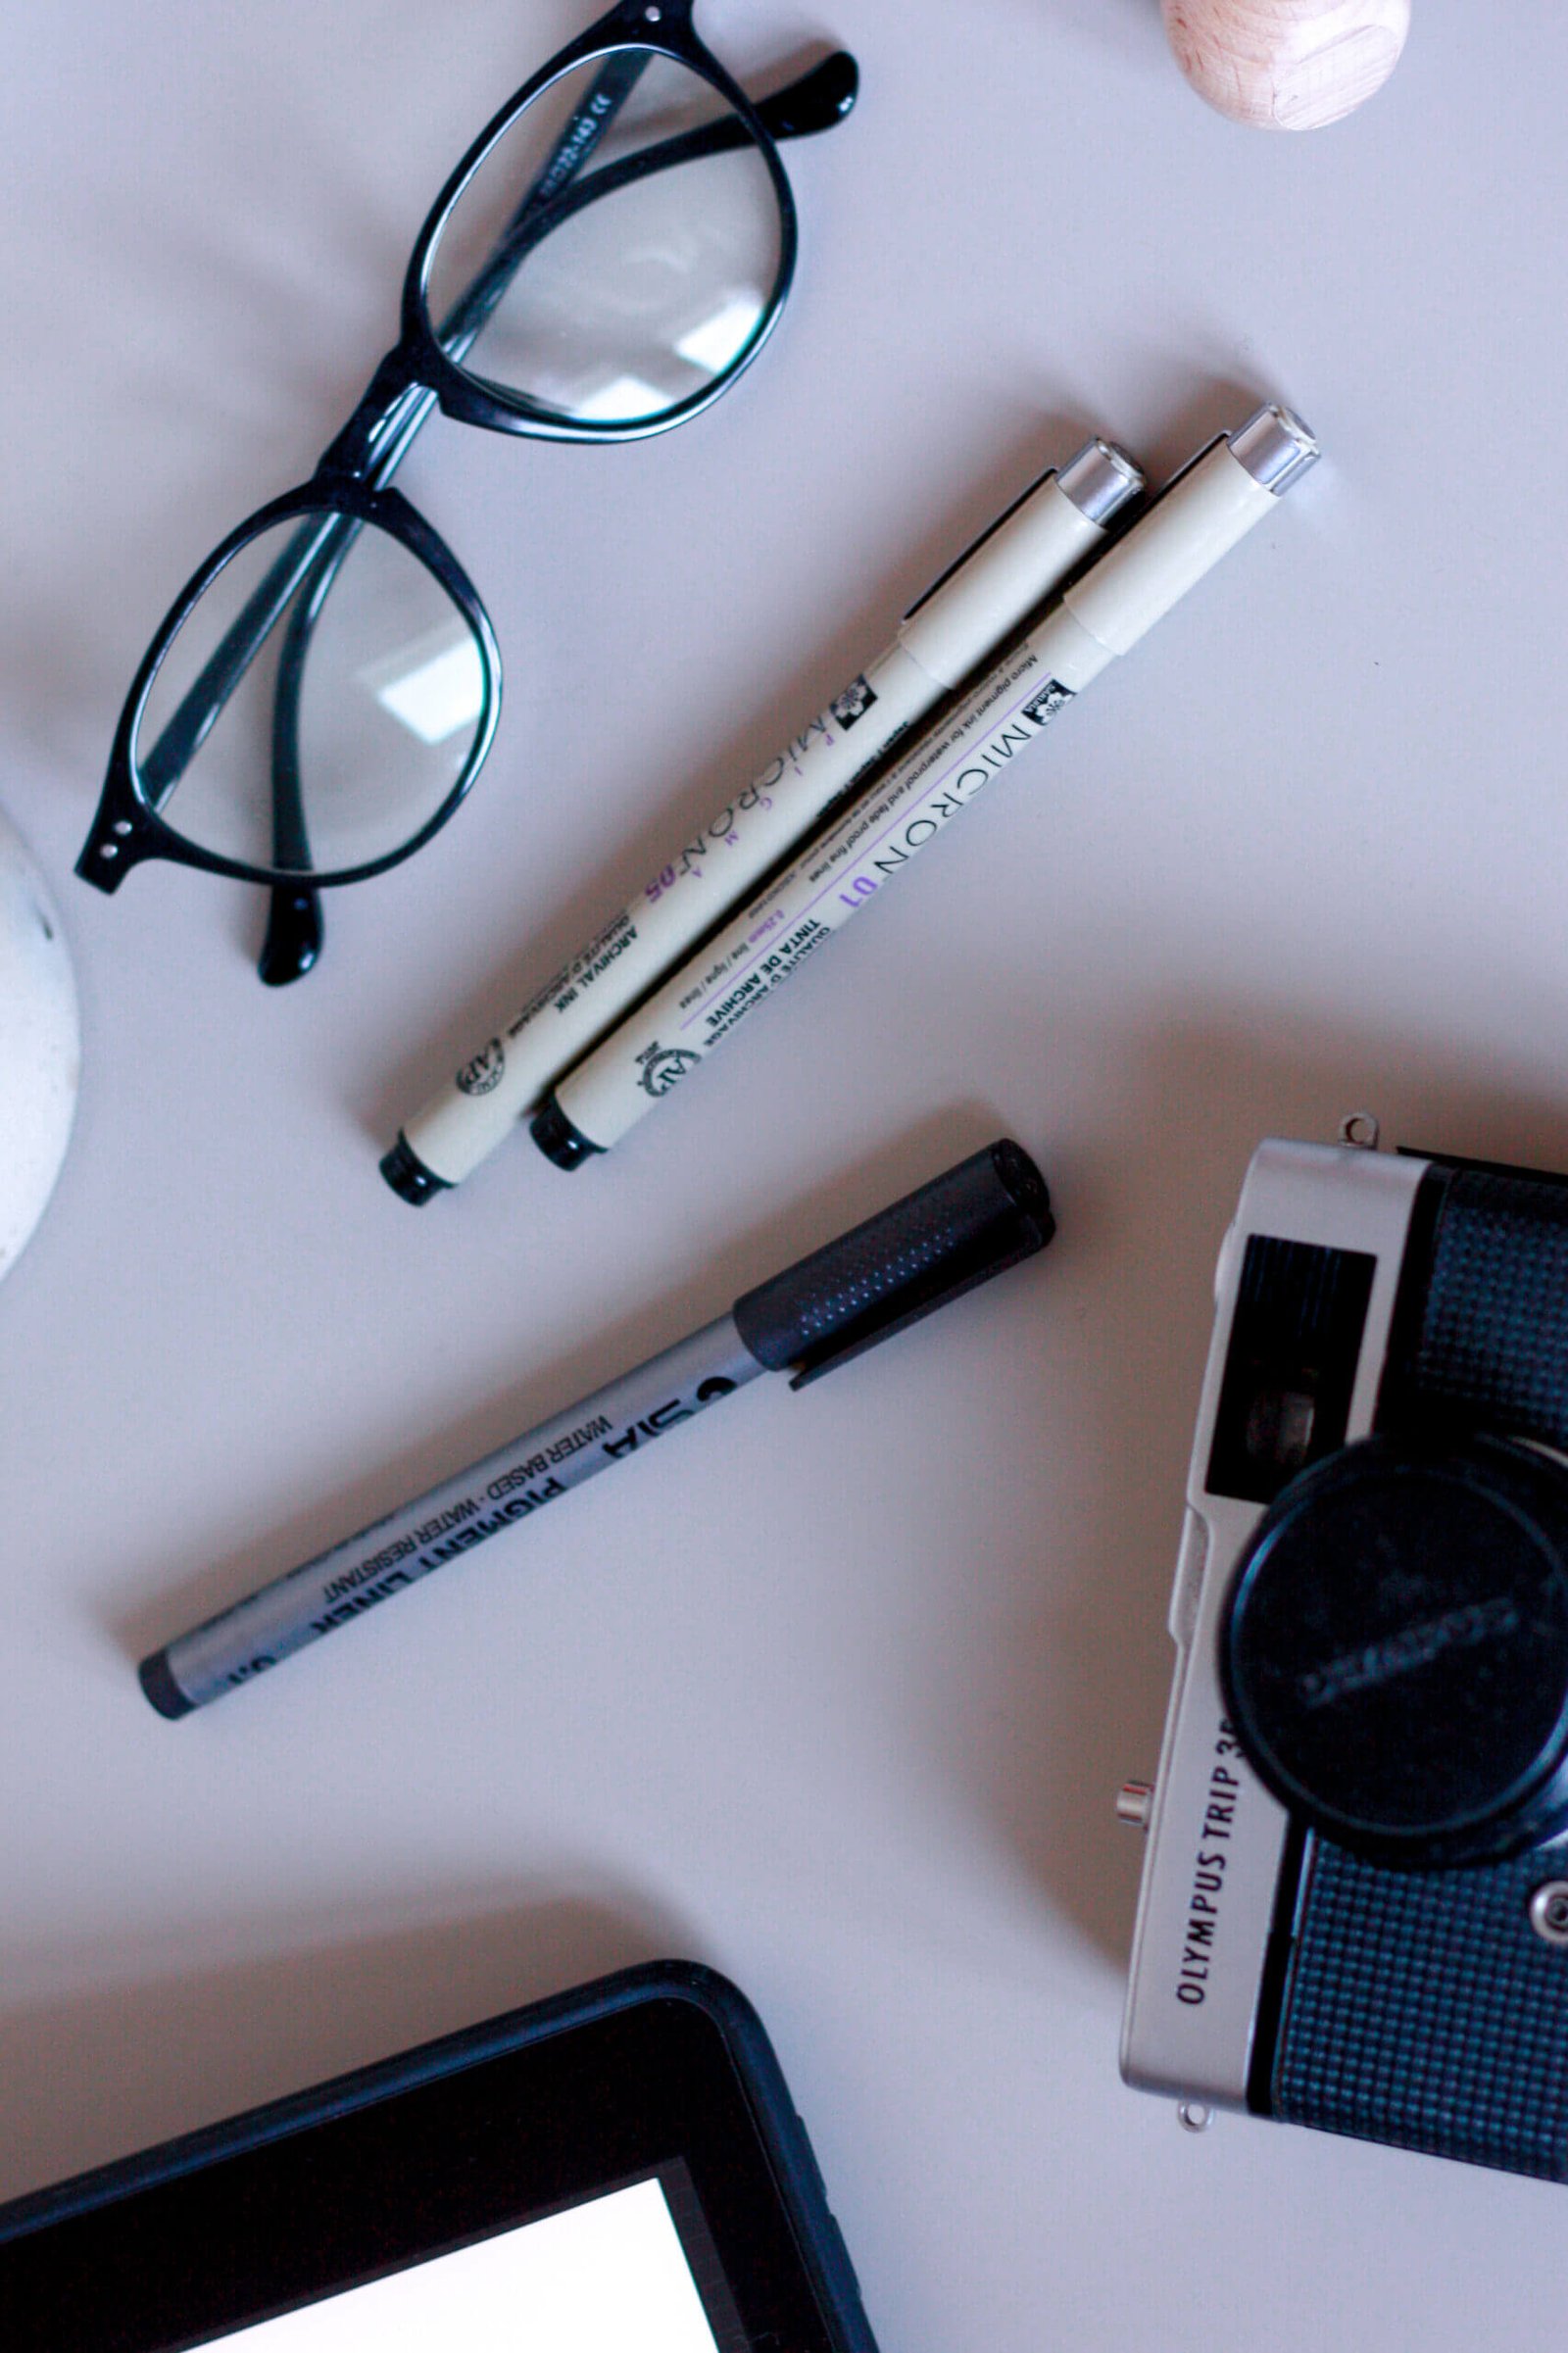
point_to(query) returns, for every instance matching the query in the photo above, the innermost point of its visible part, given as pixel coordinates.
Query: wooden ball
(1287, 65)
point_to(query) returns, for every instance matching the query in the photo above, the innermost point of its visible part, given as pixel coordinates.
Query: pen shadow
(182, 2046)
(176, 1592)
(1077, 1699)
(677, 806)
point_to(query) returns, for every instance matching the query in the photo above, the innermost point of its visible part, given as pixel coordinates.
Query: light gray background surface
(833, 1692)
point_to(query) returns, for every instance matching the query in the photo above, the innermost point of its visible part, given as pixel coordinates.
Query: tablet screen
(611, 2272)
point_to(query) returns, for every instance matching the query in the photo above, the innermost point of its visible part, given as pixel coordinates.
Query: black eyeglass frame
(352, 478)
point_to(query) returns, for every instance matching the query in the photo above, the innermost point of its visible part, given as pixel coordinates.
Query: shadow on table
(1079, 1696)
(144, 2043)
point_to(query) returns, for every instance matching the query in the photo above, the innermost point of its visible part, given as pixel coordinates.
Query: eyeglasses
(610, 255)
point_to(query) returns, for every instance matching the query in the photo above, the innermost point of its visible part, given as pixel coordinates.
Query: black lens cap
(1394, 1650)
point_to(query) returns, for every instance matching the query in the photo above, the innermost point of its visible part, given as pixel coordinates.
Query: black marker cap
(961, 1228)
(1394, 1650)
(408, 1175)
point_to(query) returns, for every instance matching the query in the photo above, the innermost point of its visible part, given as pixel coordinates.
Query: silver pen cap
(1100, 480)
(1275, 447)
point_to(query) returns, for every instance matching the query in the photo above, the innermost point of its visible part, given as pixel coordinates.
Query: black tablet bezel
(658, 2068)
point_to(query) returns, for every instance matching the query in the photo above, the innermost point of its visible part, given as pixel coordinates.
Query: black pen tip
(408, 1175)
(161, 1688)
(566, 1146)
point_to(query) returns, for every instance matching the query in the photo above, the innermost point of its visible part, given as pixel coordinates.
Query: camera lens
(1394, 1650)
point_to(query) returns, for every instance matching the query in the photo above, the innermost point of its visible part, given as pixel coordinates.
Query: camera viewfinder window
(1296, 1341)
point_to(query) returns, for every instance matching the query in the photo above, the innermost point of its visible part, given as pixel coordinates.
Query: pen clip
(938, 1242)
(977, 543)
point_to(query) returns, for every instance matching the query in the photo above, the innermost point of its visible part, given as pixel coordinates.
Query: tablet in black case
(617, 2170)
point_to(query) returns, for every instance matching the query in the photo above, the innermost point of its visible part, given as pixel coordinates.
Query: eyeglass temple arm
(192, 721)
(295, 926)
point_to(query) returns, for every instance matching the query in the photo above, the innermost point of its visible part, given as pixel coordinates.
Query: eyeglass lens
(348, 689)
(618, 250)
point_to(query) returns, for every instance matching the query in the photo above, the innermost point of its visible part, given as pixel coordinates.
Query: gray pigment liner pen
(964, 1226)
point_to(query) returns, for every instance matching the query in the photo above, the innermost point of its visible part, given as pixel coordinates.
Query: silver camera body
(1216, 1837)
(1354, 1902)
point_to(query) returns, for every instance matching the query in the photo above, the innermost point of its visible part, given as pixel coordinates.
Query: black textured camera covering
(1422, 2009)
(1494, 1337)
(956, 1231)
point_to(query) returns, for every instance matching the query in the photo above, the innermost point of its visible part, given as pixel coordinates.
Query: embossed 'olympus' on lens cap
(1395, 1651)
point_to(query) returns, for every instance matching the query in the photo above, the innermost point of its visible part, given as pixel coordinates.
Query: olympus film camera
(1354, 1912)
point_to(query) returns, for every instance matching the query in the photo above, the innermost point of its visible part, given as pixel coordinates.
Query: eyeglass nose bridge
(390, 410)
